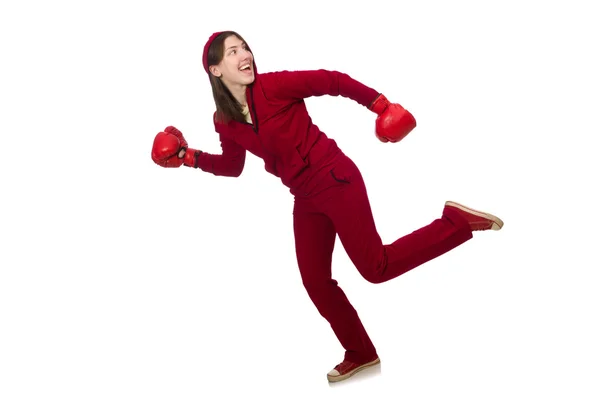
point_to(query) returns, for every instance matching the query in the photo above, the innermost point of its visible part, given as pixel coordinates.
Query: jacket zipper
(254, 118)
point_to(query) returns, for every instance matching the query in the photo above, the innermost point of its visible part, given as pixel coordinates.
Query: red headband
(206, 46)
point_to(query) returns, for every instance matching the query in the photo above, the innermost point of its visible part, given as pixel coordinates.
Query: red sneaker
(477, 219)
(346, 369)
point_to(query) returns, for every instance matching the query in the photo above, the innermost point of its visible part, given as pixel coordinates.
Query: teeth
(245, 67)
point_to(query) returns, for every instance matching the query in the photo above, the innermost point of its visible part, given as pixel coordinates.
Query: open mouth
(246, 69)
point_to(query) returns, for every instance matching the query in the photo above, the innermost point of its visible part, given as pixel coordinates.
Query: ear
(215, 71)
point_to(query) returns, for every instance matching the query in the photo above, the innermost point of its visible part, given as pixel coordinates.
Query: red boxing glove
(393, 121)
(170, 149)
(174, 131)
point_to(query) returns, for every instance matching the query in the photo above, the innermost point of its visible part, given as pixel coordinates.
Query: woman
(265, 114)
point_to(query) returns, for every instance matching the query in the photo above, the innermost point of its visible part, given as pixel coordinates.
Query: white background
(121, 278)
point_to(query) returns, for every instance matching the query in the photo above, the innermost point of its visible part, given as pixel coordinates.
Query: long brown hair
(228, 108)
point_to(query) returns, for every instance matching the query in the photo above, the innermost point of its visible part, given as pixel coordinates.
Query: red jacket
(282, 132)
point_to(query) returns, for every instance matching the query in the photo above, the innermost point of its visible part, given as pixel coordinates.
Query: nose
(246, 54)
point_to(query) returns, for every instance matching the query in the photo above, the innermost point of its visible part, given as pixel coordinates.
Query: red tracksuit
(329, 193)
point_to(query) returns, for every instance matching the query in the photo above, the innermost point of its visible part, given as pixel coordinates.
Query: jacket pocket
(292, 165)
(339, 177)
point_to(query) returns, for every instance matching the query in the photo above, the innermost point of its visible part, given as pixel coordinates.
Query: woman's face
(236, 67)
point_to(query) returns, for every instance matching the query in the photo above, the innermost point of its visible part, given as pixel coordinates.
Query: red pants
(340, 205)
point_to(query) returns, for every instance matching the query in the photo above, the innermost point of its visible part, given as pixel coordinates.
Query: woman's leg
(315, 237)
(347, 205)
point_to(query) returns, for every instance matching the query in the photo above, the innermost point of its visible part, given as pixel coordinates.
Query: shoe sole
(497, 223)
(353, 372)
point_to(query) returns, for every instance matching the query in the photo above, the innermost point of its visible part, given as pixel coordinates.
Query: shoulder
(276, 83)
(280, 76)
(295, 77)
(221, 126)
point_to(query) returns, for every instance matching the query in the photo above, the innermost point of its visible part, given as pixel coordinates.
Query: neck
(239, 93)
